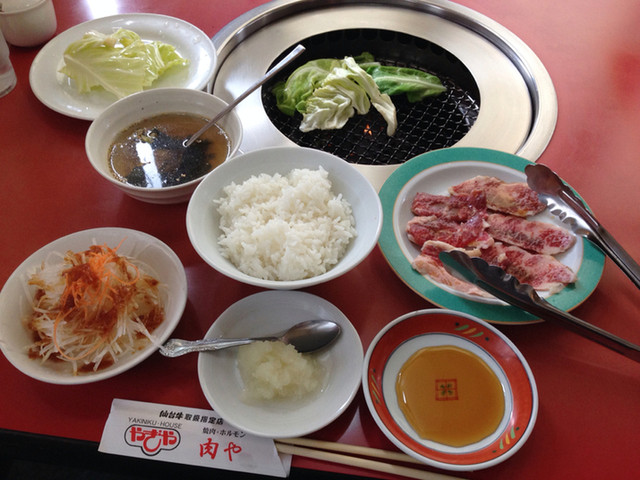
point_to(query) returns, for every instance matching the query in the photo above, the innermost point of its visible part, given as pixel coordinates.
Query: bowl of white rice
(284, 217)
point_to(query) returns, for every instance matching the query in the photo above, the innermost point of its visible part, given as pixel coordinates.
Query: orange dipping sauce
(450, 396)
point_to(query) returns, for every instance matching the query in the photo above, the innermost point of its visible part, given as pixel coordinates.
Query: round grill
(434, 123)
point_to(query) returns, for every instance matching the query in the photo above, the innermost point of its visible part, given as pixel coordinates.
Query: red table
(589, 418)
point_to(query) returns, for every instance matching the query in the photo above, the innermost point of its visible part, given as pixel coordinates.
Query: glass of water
(7, 74)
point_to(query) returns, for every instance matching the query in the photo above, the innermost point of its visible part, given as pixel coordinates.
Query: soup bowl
(135, 108)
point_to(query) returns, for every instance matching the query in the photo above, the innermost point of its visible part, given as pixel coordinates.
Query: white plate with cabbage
(175, 39)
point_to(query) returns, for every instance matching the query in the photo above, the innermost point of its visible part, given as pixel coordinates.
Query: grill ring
(519, 105)
(434, 123)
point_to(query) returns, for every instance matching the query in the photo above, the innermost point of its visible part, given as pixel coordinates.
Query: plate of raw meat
(477, 200)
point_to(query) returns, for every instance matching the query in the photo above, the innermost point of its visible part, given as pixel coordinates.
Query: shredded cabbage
(121, 63)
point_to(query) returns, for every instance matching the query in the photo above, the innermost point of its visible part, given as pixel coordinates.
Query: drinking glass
(7, 74)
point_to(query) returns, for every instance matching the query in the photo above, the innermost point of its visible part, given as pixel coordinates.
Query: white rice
(287, 228)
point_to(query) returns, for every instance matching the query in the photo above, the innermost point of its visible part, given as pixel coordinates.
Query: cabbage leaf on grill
(416, 84)
(328, 92)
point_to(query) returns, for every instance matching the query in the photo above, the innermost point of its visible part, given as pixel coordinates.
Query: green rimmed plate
(434, 172)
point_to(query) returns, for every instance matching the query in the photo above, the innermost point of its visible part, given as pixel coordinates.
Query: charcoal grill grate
(434, 123)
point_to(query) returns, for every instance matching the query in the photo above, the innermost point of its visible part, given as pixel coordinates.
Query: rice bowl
(350, 190)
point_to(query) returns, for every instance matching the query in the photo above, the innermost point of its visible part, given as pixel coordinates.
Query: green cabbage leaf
(292, 95)
(120, 63)
(416, 84)
(328, 92)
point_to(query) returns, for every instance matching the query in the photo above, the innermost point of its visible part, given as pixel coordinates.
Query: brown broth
(450, 396)
(151, 154)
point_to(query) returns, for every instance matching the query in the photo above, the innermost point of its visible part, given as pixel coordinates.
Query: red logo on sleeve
(151, 440)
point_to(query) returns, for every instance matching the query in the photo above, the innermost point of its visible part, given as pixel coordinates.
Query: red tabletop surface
(589, 417)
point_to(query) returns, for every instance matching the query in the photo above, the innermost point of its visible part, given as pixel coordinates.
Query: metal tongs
(567, 206)
(507, 288)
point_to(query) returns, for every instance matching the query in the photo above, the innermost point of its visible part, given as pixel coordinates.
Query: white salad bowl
(203, 218)
(16, 301)
(139, 106)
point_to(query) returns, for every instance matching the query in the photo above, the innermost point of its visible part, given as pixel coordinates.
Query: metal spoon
(306, 337)
(565, 204)
(275, 70)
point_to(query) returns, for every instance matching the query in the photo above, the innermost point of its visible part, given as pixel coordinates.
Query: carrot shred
(101, 290)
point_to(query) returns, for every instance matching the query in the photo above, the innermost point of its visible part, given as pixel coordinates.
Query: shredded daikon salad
(92, 308)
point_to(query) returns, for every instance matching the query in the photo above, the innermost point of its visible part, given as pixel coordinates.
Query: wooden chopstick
(322, 450)
(354, 449)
